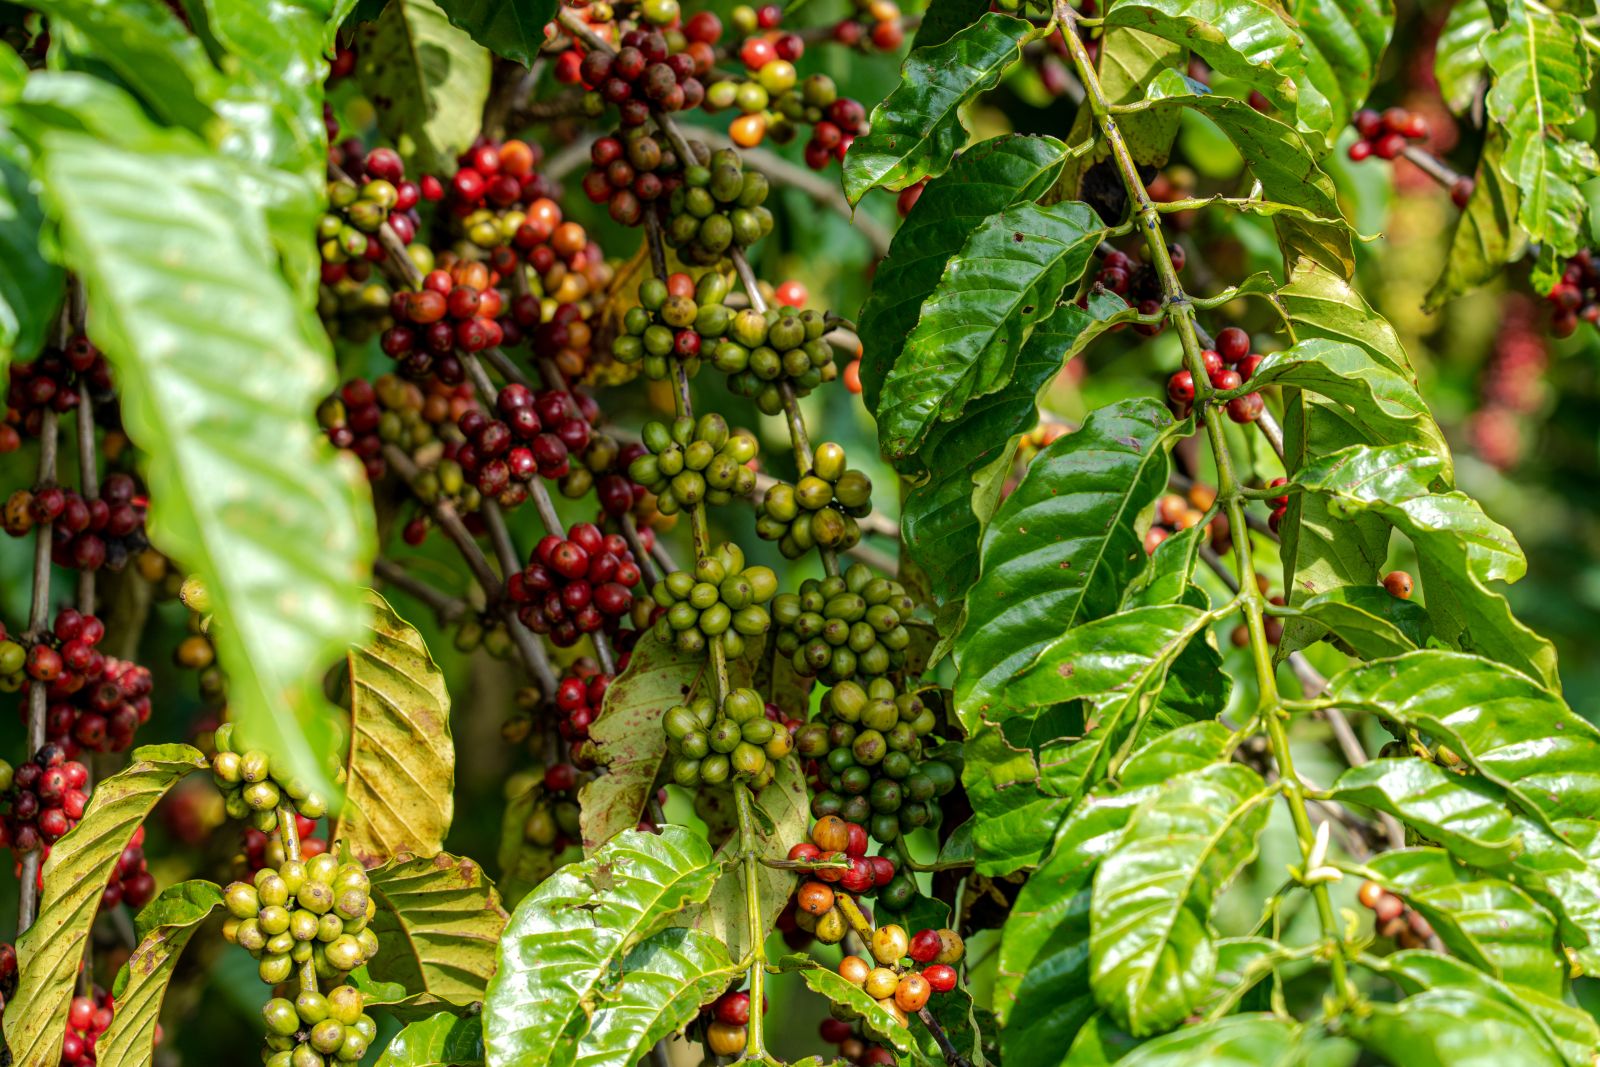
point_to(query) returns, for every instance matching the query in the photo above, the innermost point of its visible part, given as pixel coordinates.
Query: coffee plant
(420, 432)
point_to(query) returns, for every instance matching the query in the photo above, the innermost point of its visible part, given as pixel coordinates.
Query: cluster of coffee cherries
(690, 462)
(719, 205)
(316, 909)
(1176, 512)
(844, 625)
(314, 1028)
(579, 698)
(645, 75)
(102, 531)
(266, 850)
(553, 821)
(131, 882)
(1228, 366)
(87, 1018)
(710, 745)
(1392, 919)
(366, 415)
(250, 791)
(94, 702)
(1136, 281)
(900, 989)
(372, 193)
(835, 840)
(1385, 133)
(1576, 296)
(531, 434)
(48, 795)
(450, 310)
(854, 1046)
(675, 319)
(50, 383)
(763, 352)
(727, 1023)
(575, 585)
(820, 510)
(720, 600)
(1512, 383)
(874, 25)
(870, 767)
(630, 171)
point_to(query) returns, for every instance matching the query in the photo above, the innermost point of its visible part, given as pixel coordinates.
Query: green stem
(1180, 310)
(755, 1045)
(289, 834)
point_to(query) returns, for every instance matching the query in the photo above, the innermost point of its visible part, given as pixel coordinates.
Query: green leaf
(969, 460)
(441, 922)
(1099, 1043)
(402, 760)
(245, 491)
(943, 19)
(1458, 61)
(1321, 554)
(1008, 275)
(788, 805)
(1042, 984)
(31, 288)
(1451, 1028)
(566, 937)
(1384, 404)
(1279, 158)
(664, 983)
(1466, 815)
(1541, 73)
(428, 81)
(1014, 817)
(1344, 41)
(876, 1019)
(1118, 665)
(1063, 547)
(1242, 963)
(514, 30)
(1487, 235)
(1571, 1030)
(166, 924)
(76, 872)
(1235, 1041)
(1513, 731)
(1151, 951)
(1459, 549)
(985, 180)
(150, 50)
(1242, 39)
(442, 1040)
(1487, 921)
(918, 128)
(628, 737)
(1470, 818)
(1368, 621)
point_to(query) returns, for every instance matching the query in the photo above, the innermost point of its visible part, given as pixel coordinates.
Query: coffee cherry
(815, 898)
(925, 945)
(854, 970)
(1398, 584)
(912, 992)
(889, 944)
(724, 1039)
(941, 977)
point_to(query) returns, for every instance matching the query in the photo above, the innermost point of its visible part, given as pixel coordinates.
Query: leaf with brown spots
(166, 926)
(440, 922)
(402, 760)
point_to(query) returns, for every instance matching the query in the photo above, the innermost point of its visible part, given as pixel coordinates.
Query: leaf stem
(755, 1047)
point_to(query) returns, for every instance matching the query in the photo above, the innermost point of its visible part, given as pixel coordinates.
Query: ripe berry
(1180, 387)
(941, 977)
(1398, 584)
(1233, 344)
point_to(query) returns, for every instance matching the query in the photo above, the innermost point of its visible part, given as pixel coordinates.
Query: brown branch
(449, 609)
(38, 623)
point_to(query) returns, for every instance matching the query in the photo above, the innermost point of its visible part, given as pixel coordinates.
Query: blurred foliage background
(1521, 410)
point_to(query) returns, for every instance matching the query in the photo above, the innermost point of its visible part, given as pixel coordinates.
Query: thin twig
(447, 519)
(38, 622)
(449, 609)
(533, 653)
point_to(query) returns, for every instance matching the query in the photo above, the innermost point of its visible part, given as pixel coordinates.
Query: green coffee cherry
(820, 510)
(712, 744)
(844, 627)
(721, 600)
(717, 207)
(695, 462)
